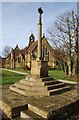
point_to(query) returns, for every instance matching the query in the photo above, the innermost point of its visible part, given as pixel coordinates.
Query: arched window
(48, 56)
(46, 51)
(19, 59)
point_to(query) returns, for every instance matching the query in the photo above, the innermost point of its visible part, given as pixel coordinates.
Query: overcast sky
(20, 18)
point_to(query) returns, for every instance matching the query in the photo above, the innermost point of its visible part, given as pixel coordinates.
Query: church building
(22, 58)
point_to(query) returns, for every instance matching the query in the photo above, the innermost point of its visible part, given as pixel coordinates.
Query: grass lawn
(59, 74)
(22, 70)
(10, 77)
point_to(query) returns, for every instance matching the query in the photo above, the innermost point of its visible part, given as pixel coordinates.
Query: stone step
(39, 93)
(10, 108)
(39, 88)
(30, 88)
(16, 118)
(55, 86)
(47, 79)
(29, 114)
(59, 90)
(38, 111)
(28, 93)
(33, 78)
(51, 82)
(15, 89)
(32, 83)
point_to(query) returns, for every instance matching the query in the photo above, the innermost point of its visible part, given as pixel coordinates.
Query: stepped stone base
(37, 86)
(17, 106)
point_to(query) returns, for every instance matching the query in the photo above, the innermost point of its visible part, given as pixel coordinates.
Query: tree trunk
(76, 47)
(69, 49)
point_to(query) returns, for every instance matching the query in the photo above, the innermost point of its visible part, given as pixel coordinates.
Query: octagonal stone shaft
(40, 34)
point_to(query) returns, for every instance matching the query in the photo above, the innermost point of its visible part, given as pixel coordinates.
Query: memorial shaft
(40, 34)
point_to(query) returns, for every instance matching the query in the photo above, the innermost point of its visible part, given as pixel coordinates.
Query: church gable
(17, 47)
(45, 43)
(32, 47)
(24, 56)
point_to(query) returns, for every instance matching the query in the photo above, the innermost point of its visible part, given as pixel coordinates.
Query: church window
(46, 51)
(19, 59)
(48, 56)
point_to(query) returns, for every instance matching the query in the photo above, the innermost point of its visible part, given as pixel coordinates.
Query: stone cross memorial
(38, 83)
(39, 67)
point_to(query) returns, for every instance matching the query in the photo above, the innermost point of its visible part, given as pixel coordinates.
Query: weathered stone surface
(30, 88)
(30, 77)
(33, 85)
(6, 108)
(52, 105)
(29, 114)
(29, 93)
(40, 34)
(38, 111)
(9, 102)
(39, 68)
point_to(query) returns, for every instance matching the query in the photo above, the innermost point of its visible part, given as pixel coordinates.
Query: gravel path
(23, 73)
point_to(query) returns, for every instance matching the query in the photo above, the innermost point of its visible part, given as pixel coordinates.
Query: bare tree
(64, 37)
(76, 44)
(6, 51)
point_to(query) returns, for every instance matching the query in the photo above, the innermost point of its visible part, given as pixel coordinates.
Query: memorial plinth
(39, 68)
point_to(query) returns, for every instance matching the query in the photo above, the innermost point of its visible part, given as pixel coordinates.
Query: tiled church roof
(31, 48)
(35, 44)
(24, 51)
